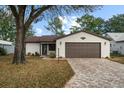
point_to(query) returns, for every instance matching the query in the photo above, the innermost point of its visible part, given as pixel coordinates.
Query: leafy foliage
(52, 55)
(55, 26)
(30, 32)
(115, 24)
(61, 10)
(2, 51)
(8, 26)
(75, 29)
(37, 54)
(89, 23)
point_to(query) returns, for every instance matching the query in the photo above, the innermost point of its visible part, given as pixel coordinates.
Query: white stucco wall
(114, 46)
(105, 44)
(9, 48)
(32, 47)
(35, 47)
(121, 47)
(117, 47)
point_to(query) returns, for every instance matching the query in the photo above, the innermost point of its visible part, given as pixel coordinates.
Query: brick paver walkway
(96, 73)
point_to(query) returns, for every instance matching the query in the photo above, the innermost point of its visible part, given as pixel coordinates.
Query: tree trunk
(23, 44)
(19, 54)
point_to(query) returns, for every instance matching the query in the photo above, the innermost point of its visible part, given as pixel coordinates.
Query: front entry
(44, 49)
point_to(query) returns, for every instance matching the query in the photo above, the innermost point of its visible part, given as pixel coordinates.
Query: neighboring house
(117, 42)
(76, 45)
(8, 46)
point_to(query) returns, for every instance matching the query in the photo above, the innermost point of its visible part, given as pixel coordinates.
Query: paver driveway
(90, 72)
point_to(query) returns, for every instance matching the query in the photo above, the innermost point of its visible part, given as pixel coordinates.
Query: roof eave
(120, 41)
(85, 32)
(38, 41)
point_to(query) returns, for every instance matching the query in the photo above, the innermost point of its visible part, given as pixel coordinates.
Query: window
(110, 45)
(52, 47)
(120, 47)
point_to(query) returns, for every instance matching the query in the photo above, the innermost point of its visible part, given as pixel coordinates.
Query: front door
(44, 49)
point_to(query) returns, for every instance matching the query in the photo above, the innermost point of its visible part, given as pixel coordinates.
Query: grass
(36, 73)
(117, 59)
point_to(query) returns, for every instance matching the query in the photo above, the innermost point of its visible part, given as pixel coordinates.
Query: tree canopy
(8, 26)
(115, 24)
(55, 26)
(89, 23)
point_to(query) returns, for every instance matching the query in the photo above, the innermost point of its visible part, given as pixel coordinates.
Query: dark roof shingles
(37, 39)
(53, 38)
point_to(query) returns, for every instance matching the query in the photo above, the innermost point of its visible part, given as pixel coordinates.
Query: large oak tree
(8, 26)
(26, 15)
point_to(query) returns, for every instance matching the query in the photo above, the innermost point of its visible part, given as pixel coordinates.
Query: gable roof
(85, 32)
(53, 38)
(116, 36)
(45, 38)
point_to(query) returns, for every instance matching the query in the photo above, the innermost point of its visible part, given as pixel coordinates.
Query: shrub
(32, 54)
(37, 54)
(107, 57)
(116, 53)
(2, 51)
(29, 54)
(52, 55)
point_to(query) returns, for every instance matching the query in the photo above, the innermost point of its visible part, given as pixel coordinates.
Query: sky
(105, 12)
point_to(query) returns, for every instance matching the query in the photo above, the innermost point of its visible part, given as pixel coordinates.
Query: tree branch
(32, 11)
(36, 14)
(14, 10)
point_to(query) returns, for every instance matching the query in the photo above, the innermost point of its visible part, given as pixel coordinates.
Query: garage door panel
(83, 50)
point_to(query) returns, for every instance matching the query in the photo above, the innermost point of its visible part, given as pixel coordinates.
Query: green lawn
(36, 73)
(117, 59)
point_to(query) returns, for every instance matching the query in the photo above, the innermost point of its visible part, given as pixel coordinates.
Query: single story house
(81, 44)
(8, 46)
(117, 42)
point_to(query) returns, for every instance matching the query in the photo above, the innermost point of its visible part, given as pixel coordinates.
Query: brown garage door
(83, 50)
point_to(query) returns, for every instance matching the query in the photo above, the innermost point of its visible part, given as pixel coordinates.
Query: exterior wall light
(104, 43)
(83, 38)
